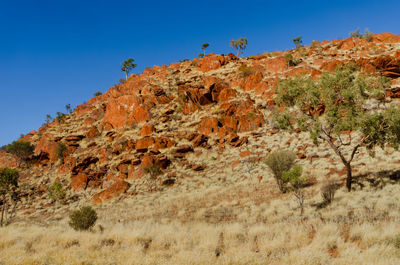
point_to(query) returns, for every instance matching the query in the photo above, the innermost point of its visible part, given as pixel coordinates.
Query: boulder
(111, 192)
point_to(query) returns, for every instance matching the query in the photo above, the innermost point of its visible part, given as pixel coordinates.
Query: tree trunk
(126, 75)
(2, 211)
(349, 176)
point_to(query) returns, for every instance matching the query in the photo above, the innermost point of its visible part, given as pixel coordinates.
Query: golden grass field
(246, 223)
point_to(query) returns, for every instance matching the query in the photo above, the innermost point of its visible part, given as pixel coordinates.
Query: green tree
(204, 47)
(298, 42)
(21, 149)
(239, 45)
(68, 108)
(98, 93)
(127, 66)
(333, 107)
(8, 189)
(48, 118)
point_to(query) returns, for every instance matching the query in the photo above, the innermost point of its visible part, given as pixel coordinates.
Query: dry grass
(242, 224)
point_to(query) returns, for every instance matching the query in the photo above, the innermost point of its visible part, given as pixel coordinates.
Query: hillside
(208, 125)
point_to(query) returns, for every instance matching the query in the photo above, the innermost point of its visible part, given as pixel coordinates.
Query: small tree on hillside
(204, 47)
(239, 45)
(335, 106)
(22, 150)
(127, 66)
(298, 42)
(8, 190)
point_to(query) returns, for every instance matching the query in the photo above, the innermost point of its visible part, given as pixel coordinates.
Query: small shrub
(56, 191)
(61, 148)
(282, 120)
(194, 63)
(279, 162)
(83, 219)
(98, 93)
(291, 61)
(122, 81)
(153, 170)
(367, 35)
(60, 117)
(396, 241)
(296, 181)
(245, 71)
(328, 192)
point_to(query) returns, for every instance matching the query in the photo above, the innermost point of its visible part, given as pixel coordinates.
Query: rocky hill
(195, 118)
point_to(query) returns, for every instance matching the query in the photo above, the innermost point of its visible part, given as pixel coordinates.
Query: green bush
(56, 191)
(246, 71)
(61, 148)
(153, 170)
(60, 117)
(296, 180)
(291, 61)
(367, 35)
(83, 219)
(279, 162)
(22, 150)
(98, 93)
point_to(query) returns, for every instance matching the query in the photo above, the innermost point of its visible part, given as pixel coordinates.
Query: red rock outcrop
(111, 192)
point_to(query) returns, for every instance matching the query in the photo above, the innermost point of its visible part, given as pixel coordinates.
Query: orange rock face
(47, 148)
(275, 65)
(125, 110)
(111, 192)
(386, 37)
(211, 62)
(147, 130)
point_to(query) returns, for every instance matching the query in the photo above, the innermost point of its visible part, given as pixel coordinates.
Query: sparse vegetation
(61, 148)
(21, 149)
(239, 45)
(56, 191)
(60, 118)
(8, 190)
(294, 177)
(366, 36)
(343, 107)
(83, 219)
(328, 192)
(291, 61)
(153, 170)
(97, 93)
(245, 70)
(280, 162)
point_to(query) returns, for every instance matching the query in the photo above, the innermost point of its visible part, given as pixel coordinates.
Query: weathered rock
(147, 129)
(144, 143)
(184, 149)
(46, 148)
(112, 192)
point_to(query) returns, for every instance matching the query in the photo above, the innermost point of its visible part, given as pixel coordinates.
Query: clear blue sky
(57, 52)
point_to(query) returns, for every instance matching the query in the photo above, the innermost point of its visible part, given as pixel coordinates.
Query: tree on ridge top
(127, 66)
